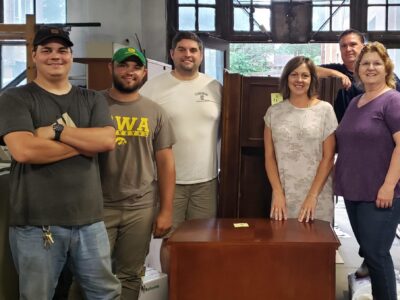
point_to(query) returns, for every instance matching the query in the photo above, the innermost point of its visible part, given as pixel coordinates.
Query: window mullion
(387, 15)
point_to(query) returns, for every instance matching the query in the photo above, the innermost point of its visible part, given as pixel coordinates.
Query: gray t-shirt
(128, 173)
(365, 147)
(66, 192)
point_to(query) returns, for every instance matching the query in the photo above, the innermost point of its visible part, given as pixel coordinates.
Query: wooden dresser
(285, 260)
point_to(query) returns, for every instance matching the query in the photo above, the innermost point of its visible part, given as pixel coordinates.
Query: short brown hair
(186, 35)
(382, 52)
(293, 64)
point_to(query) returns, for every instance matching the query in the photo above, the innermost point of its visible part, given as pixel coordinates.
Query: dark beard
(119, 86)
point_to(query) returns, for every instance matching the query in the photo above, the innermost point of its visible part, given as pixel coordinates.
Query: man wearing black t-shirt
(54, 131)
(351, 42)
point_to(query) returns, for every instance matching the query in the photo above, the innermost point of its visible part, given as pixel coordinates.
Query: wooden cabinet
(244, 187)
(8, 274)
(285, 260)
(98, 76)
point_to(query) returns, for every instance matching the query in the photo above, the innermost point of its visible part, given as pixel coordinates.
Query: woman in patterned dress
(299, 147)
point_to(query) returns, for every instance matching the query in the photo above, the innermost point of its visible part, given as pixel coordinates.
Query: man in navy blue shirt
(351, 42)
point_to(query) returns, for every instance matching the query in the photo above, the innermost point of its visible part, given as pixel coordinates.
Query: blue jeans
(375, 230)
(39, 268)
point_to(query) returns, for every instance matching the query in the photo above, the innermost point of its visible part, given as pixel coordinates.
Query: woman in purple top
(368, 166)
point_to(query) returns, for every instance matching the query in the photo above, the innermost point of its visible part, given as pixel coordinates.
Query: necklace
(302, 123)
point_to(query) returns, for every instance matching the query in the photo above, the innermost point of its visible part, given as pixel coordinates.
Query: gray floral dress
(298, 134)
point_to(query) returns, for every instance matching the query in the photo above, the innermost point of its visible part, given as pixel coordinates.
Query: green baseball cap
(124, 53)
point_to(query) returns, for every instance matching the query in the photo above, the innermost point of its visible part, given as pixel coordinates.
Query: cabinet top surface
(258, 231)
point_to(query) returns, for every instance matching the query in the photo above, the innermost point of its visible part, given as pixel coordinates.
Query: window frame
(173, 9)
(15, 42)
(224, 25)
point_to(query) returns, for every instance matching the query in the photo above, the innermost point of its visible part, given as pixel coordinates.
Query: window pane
(47, 11)
(51, 11)
(15, 11)
(263, 17)
(376, 1)
(395, 56)
(320, 2)
(242, 2)
(261, 2)
(214, 63)
(13, 63)
(261, 59)
(339, 2)
(186, 2)
(394, 2)
(206, 1)
(320, 15)
(206, 19)
(187, 16)
(241, 20)
(341, 19)
(376, 18)
(394, 18)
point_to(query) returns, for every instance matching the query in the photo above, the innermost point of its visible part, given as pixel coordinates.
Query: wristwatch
(58, 128)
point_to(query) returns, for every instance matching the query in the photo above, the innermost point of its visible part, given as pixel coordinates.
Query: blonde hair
(382, 52)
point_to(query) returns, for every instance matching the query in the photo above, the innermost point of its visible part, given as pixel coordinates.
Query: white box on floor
(154, 285)
(360, 288)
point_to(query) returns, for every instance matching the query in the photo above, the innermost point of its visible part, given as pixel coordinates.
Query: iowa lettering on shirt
(130, 127)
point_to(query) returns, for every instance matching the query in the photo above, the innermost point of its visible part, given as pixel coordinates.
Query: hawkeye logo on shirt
(130, 127)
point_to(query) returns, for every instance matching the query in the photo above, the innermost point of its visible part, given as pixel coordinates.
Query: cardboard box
(360, 288)
(154, 285)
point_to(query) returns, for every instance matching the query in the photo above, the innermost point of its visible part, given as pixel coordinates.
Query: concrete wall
(120, 20)
(154, 29)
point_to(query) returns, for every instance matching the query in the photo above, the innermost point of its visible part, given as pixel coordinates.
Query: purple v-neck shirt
(365, 146)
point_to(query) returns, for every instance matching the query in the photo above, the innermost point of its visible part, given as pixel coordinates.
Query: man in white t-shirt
(193, 103)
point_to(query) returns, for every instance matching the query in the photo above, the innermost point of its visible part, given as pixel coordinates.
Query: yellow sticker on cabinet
(276, 98)
(240, 225)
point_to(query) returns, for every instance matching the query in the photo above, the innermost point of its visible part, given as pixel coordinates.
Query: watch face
(58, 128)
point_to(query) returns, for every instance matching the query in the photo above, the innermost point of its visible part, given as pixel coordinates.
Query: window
(294, 21)
(330, 15)
(47, 11)
(13, 56)
(15, 11)
(214, 63)
(395, 56)
(51, 11)
(268, 59)
(383, 15)
(251, 15)
(197, 15)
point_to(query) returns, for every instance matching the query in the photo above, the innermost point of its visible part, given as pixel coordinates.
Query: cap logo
(132, 50)
(54, 31)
